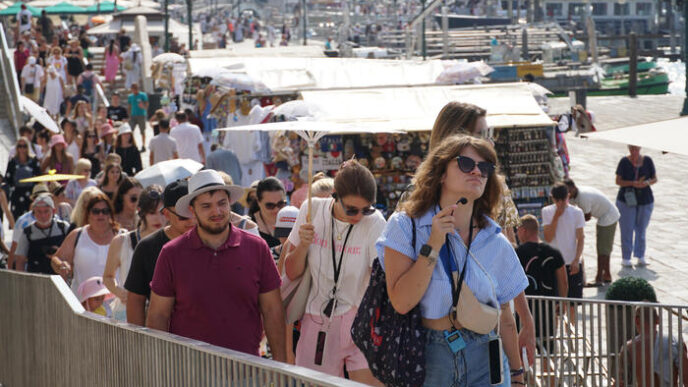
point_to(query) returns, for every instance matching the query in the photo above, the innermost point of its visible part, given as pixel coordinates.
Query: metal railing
(47, 339)
(608, 343)
(11, 84)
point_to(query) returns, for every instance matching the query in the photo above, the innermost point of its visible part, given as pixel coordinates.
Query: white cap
(286, 218)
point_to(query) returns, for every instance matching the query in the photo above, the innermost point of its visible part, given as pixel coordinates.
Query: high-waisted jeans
(633, 222)
(466, 368)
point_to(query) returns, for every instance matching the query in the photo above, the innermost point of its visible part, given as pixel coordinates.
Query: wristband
(517, 372)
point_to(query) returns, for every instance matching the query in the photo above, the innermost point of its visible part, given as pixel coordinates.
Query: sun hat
(39, 189)
(123, 129)
(106, 129)
(202, 182)
(57, 139)
(174, 191)
(243, 200)
(43, 199)
(286, 217)
(93, 287)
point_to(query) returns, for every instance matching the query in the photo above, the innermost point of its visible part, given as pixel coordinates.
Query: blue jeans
(468, 367)
(634, 220)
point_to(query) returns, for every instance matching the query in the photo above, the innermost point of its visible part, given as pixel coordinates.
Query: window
(576, 9)
(621, 9)
(643, 9)
(555, 10)
(599, 9)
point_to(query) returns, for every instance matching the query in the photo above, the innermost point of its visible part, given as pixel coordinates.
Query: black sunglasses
(98, 211)
(353, 211)
(272, 206)
(133, 199)
(182, 218)
(22, 146)
(467, 165)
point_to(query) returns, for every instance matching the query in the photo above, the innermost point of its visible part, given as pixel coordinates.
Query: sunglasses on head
(182, 218)
(99, 211)
(272, 206)
(353, 211)
(467, 165)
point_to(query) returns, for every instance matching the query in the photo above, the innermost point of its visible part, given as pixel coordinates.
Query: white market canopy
(667, 136)
(415, 108)
(288, 74)
(154, 27)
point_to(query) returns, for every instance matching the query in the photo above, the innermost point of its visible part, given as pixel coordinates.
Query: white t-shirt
(163, 147)
(356, 262)
(32, 74)
(188, 136)
(592, 201)
(24, 19)
(565, 237)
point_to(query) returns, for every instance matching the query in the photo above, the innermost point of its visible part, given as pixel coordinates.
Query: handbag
(28, 88)
(295, 295)
(392, 343)
(630, 194)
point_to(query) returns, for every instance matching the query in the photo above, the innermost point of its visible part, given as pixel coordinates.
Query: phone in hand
(496, 361)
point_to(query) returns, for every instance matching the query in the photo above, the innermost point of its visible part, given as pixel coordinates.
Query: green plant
(631, 289)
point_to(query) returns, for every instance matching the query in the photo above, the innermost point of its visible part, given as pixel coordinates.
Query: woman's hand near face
(442, 224)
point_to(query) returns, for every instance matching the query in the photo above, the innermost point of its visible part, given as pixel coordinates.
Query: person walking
(635, 174)
(148, 249)
(131, 62)
(137, 108)
(337, 246)
(212, 259)
(189, 139)
(126, 148)
(31, 79)
(111, 63)
(54, 91)
(75, 186)
(162, 146)
(564, 230)
(459, 250)
(125, 203)
(23, 165)
(595, 204)
(41, 238)
(271, 197)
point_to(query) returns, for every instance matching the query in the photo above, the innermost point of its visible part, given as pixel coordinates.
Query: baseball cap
(174, 191)
(286, 217)
(43, 199)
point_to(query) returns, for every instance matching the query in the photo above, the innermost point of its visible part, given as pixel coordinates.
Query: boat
(468, 21)
(651, 80)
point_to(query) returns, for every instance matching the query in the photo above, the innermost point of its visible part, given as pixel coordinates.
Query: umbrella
(51, 176)
(463, 72)
(64, 8)
(298, 109)
(13, 9)
(169, 57)
(666, 136)
(166, 172)
(39, 113)
(97, 20)
(104, 7)
(312, 131)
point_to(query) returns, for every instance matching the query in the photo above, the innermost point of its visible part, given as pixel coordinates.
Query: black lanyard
(456, 287)
(337, 266)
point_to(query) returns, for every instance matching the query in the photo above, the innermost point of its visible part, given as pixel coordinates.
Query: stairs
(98, 61)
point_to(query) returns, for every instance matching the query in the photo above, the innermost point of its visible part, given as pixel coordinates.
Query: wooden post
(633, 65)
(310, 180)
(524, 44)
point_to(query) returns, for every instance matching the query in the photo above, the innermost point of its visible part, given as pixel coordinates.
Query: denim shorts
(468, 367)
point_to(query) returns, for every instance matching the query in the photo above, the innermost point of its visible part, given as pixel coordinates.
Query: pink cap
(57, 139)
(93, 287)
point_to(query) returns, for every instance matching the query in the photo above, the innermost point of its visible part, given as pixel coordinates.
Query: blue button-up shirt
(489, 247)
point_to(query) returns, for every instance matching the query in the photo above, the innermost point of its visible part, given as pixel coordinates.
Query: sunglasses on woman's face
(22, 146)
(100, 211)
(92, 136)
(272, 206)
(467, 165)
(133, 198)
(353, 211)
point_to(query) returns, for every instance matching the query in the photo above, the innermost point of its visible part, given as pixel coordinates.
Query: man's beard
(210, 229)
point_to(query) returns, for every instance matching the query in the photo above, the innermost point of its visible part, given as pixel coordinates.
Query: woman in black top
(75, 60)
(23, 165)
(271, 197)
(125, 146)
(93, 151)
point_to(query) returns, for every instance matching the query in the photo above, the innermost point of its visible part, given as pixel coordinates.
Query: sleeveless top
(89, 259)
(119, 310)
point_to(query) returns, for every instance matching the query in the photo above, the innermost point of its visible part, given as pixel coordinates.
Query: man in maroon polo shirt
(217, 283)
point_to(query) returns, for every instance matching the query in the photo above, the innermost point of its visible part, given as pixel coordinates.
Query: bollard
(633, 65)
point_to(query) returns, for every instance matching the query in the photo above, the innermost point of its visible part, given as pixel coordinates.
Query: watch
(427, 251)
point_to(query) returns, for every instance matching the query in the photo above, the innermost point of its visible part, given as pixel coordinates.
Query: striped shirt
(490, 248)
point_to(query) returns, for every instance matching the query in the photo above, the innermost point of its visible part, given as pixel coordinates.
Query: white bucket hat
(202, 182)
(124, 128)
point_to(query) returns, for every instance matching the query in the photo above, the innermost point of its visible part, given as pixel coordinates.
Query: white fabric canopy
(415, 108)
(667, 136)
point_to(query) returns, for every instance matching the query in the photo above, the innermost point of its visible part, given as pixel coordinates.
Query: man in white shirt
(24, 19)
(596, 205)
(162, 147)
(563, 226)
(189, 139)
(32, 79)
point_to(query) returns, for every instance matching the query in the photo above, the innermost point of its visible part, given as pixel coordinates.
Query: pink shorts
(339, 348)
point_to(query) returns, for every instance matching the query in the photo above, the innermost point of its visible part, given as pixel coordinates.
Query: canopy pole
(310, 179)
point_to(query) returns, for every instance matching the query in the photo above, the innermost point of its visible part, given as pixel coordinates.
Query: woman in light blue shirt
(456, 192)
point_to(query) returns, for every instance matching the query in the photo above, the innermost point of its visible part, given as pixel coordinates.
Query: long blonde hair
(427, 183)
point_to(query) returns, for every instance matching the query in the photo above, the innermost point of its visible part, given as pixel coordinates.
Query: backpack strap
(78, 235)
(413, 238)
(134, 239)
(27, 232)
(63, 228)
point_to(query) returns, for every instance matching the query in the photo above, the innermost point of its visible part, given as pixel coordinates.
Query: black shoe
(143, 149)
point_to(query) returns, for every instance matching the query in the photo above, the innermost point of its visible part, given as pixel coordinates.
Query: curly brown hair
(455, 118)
(428, 179)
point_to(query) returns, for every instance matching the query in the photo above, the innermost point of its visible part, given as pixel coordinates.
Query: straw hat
(202, 182)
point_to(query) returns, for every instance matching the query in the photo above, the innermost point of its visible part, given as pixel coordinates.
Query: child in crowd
(93, 296)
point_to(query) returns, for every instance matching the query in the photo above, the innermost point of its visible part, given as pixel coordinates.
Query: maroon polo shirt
(216, 291)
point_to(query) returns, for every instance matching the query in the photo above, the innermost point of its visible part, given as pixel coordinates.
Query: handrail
(12, 90)
(47, 339)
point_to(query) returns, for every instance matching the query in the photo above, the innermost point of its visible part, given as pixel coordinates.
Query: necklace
(336, 230)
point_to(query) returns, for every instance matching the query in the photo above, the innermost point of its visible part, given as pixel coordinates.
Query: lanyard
(336, 266)
(449, 264)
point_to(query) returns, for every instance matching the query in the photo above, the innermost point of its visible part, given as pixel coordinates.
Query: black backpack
(392, 343)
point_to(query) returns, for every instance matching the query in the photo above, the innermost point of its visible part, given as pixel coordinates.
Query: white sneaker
(626, 263)
(642, 262)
